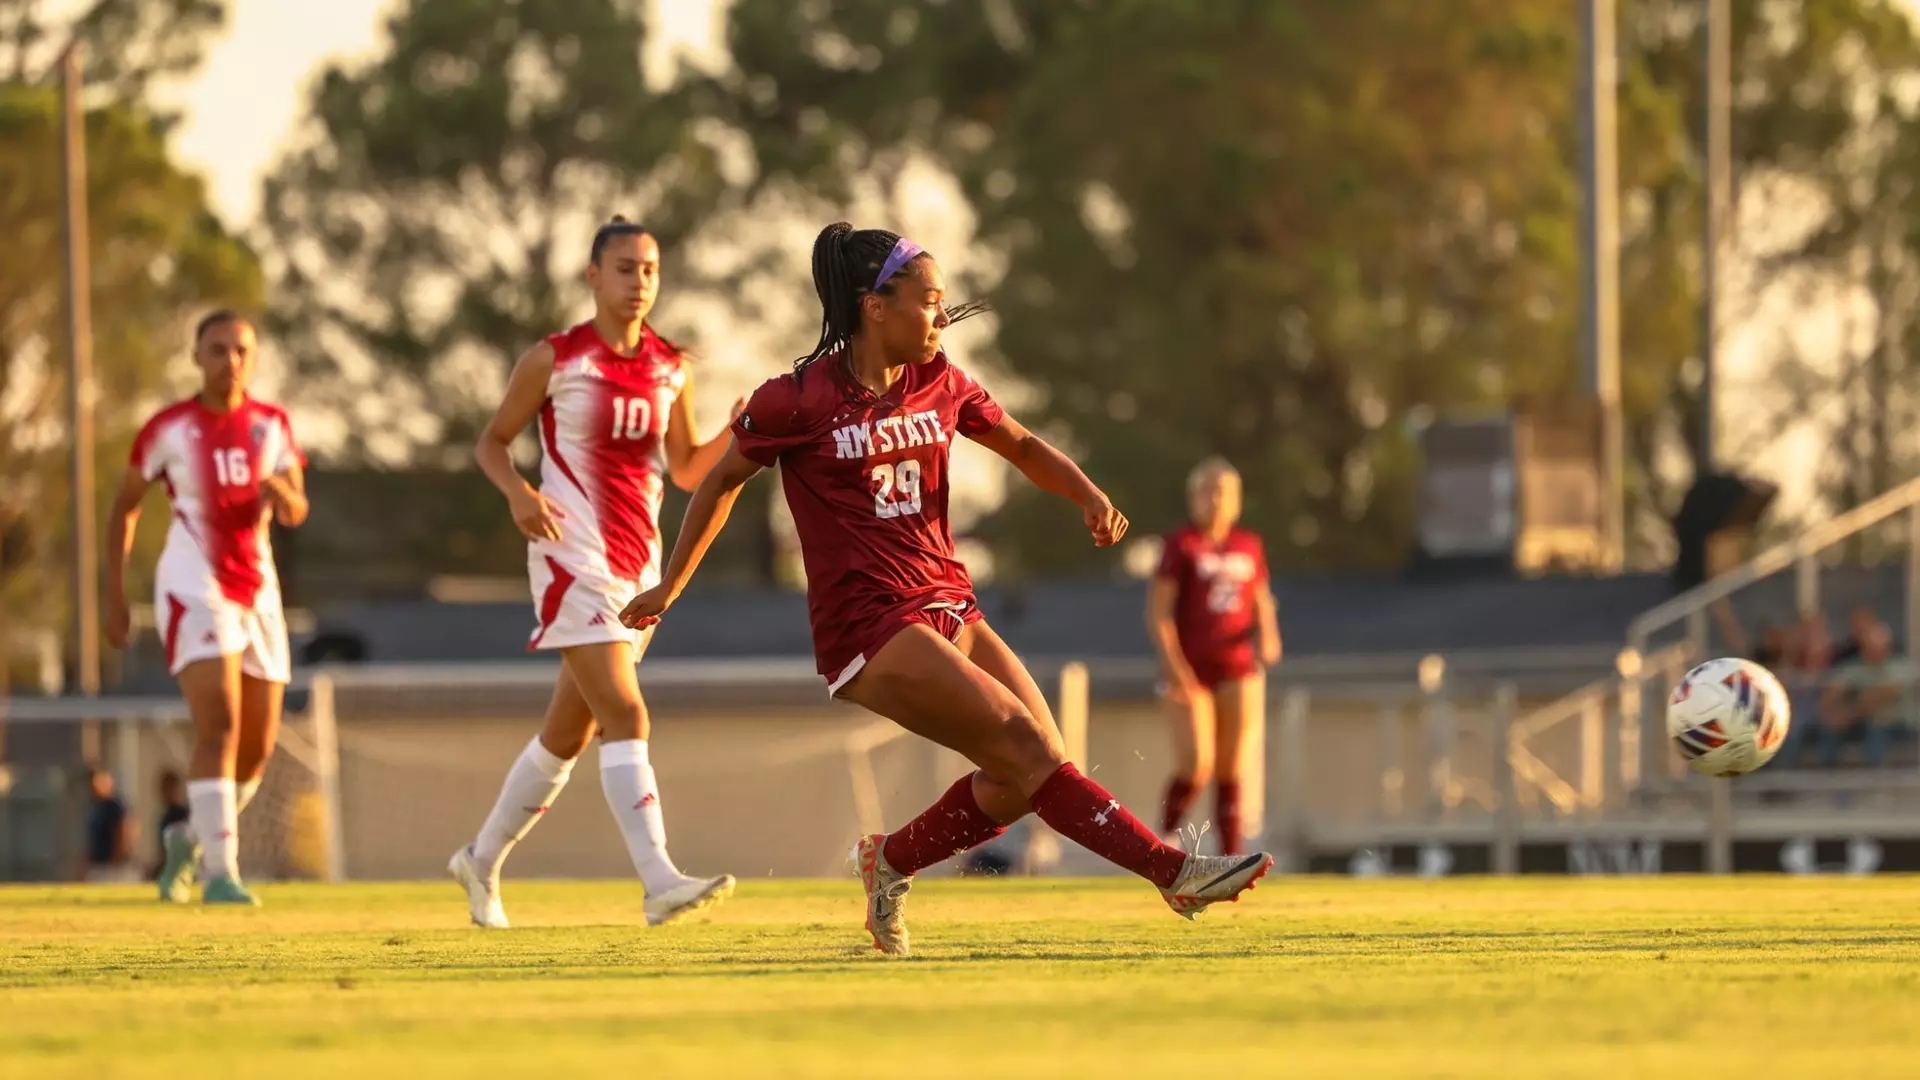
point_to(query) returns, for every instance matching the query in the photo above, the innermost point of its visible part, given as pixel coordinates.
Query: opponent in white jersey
(228, 462)
(615, 406)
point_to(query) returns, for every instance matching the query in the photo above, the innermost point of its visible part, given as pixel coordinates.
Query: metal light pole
(1600, 229)
(1719, 170)
(80, 385)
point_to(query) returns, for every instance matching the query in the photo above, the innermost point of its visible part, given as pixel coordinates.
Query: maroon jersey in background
(868, 484)
(1214, 610)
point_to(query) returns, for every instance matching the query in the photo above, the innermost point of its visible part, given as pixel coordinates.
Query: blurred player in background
(615, 405)
(229, 463)
(1212, 618)
(861, 431)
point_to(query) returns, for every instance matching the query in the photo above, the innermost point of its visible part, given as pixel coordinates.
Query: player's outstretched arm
(688, 460)
(526, 392)
(706, 514)
(121, 520)
(1054, 472)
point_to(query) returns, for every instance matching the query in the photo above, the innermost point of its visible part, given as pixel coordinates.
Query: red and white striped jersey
(211, 463)
(603, 429)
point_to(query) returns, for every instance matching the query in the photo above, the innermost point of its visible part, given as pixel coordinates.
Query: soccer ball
(1728, 717)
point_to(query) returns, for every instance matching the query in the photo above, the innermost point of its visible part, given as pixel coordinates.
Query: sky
(242, 106)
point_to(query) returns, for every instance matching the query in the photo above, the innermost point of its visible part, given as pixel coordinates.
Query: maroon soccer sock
(1179, 801)
(1226, 815)
(1089, 815)
(950, 826)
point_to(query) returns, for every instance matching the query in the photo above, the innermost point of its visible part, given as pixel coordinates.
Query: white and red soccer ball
(1728, 717)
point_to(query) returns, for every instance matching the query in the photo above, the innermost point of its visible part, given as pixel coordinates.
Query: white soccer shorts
(578, 606)
(196, 627)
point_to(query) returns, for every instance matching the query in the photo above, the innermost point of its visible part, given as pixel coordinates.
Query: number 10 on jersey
(632, 418)
(896, 489)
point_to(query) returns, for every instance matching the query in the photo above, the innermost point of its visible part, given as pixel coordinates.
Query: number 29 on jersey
(896, 488)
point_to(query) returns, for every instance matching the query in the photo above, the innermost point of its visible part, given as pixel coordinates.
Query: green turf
(1672, 976)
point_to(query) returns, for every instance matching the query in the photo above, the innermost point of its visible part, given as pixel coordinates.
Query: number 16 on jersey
(231, 467)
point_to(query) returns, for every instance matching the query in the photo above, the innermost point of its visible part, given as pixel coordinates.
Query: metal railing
(1802, 553)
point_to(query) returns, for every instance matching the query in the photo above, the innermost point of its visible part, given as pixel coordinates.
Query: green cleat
(176, 873)
(227, 890)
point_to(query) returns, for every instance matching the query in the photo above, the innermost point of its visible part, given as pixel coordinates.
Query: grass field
(1042, 978)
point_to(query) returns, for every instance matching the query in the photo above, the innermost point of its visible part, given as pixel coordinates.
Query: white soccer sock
(532, 784)
(627, 778)
(243, 794)
(215, 822)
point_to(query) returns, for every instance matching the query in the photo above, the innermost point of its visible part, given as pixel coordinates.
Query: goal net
(288, 832)
(383, 771)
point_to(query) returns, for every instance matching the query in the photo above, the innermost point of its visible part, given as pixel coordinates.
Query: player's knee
(569, 744)
(627, 722)
(1198, 775)
(1023, 747)
(1197, 766)
(213, 737)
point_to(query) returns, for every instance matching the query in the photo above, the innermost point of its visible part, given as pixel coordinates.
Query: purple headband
(904, 252)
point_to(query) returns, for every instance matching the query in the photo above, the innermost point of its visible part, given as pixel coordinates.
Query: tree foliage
(434, 221)
(160, 259)
(125, 45)
(1280, 231)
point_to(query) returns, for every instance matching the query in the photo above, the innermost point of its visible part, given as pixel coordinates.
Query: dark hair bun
(619, 219)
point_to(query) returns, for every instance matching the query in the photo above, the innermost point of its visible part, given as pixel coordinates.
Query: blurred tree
(1278, 232)
(1268, 231)
(126, 45)
(433, 222)
(160, 259)
(1824, 143)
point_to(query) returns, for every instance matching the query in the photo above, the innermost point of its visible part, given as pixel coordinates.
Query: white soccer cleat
(483, 891)
(690, 895)
(886, 895)
(1210, 879)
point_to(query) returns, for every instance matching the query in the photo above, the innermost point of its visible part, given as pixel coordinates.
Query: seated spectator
(1806, 656)
(1868, 697)
(109, 841)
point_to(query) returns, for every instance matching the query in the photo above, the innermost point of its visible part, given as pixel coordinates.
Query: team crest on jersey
(259, 432)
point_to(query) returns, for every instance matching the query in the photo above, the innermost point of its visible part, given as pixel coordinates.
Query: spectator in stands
(1806, 656)
(173, 810)
(1868, 697)
(1776, 644)
(109, 839)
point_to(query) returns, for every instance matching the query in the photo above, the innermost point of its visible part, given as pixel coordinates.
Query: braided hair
(845, 262)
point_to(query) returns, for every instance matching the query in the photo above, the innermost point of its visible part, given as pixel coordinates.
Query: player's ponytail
(848, 263)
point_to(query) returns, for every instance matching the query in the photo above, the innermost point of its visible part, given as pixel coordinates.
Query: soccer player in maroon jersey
(615, 405)
(229, 462)
(1212, 618)
(861, 430)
